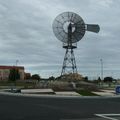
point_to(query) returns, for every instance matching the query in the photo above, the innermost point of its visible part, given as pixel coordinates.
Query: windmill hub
(70, 28)
(66, 26)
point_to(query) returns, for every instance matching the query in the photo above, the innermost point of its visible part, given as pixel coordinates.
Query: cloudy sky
(26, 35)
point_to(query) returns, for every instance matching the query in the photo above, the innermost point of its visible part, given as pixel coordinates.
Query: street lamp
(17, 62)
(101, 69)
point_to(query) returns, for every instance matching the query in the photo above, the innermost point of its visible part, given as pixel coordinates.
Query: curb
(55, 96)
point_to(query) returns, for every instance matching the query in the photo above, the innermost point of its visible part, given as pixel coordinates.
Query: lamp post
(101, 69)
(17, 62)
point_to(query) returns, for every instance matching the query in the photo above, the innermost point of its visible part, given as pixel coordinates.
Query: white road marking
(108, 116)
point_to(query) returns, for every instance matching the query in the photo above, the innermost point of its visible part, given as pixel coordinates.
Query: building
(5, 71)
(27, 76)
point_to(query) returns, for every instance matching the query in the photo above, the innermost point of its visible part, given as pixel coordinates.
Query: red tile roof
(11, 67)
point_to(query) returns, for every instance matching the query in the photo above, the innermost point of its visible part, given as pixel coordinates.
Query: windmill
(70, 28)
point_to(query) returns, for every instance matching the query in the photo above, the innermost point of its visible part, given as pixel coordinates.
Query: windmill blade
(93, 28)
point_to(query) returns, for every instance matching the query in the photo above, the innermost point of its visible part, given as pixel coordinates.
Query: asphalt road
(50, 108)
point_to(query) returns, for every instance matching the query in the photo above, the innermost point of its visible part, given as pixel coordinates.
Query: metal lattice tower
(69, 63)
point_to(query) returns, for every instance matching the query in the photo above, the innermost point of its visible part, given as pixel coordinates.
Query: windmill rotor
(61, 23)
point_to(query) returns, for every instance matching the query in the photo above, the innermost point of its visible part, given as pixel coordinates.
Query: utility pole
(101, 69)
(17, 62)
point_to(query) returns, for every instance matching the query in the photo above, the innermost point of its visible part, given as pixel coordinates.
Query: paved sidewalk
(70, 93)
(106, 93)
(36, 91)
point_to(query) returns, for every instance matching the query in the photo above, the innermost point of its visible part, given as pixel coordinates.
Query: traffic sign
(117, 89)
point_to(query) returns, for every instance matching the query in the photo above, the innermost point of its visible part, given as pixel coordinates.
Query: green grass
(86, 93)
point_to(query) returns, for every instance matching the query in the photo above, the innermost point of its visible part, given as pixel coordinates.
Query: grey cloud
(26, 34)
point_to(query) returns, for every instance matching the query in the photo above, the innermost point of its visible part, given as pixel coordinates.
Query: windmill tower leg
(69, 63)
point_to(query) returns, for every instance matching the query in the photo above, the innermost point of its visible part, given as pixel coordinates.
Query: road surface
(56, 108)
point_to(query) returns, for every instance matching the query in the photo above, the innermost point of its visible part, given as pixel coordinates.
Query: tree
(86, 78)
(35, 77)
(52, 78)
(108, 79)
(14, 75)
(99, 79)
